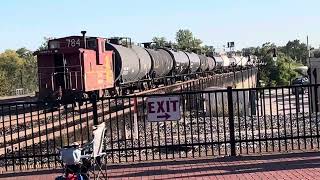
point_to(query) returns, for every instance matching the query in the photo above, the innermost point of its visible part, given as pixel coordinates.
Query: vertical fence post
(231, 121)
(242, 78)
(311, 91)
(316, 103)
(135, 118)
(94, 109)
(297, 99)
(234, 78)
(252, 99)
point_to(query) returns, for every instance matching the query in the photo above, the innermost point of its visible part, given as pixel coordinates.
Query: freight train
(75, 67)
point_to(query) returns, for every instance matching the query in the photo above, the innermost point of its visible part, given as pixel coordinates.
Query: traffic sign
(163, 108)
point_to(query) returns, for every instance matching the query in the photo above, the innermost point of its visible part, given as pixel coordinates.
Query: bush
(278, 73)
(18, 69)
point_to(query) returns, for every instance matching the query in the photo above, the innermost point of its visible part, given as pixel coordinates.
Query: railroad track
(34, 135)
(36, 113)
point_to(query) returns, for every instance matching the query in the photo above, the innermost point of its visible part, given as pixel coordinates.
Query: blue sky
(247, 22)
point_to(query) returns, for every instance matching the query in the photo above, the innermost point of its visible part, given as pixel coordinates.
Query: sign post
(163, 108)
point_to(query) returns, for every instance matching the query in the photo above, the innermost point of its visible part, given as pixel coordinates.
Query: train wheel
(146, 86)
(119, 91)
(112, 92)
(123, 92)
(168, 82)
(149, 84)
(143, 87)
(139, 86)
(106, 93)
(115, 92)
(80, 99)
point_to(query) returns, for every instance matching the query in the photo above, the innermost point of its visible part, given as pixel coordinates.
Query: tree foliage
(29, 70)
(296, 50)
(5, 84)
(18, 69)
(44, 45)
(282, 71)
(207, 50)
(160, 41)
(186, 40)
(249, 51)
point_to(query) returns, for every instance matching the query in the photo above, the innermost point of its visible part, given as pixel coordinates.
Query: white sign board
(163, 108)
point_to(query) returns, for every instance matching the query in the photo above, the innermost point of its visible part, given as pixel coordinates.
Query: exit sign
(163, 108)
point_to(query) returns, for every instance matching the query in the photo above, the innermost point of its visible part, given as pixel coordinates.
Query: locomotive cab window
(92, 43)
(54, 44)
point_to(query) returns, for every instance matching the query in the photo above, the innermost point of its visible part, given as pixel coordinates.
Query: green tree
(208, 50)
(18, 69)
(11, 66)
(249, 51)
(44, 45)
(186, 40)
(4, 85)
(284, 69)
(29, 69)
(296, 50)
(160, 41)
(279, 72)
(23, 52)
(273, 73)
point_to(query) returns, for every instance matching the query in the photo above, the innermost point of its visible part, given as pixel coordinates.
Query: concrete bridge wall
(241, 99)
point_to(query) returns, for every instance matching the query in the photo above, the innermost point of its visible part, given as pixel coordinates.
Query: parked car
(299, 82)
